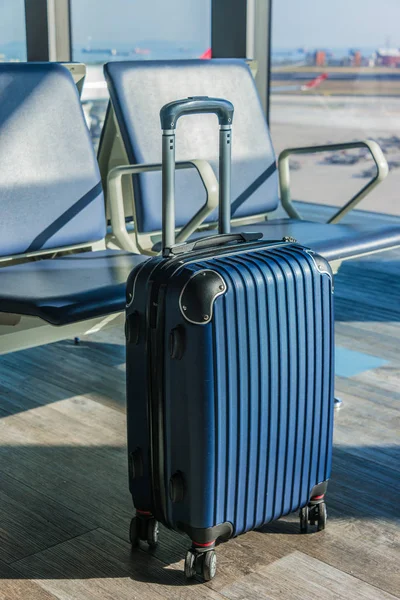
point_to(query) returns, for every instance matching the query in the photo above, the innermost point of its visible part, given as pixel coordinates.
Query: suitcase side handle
(213, 241)
(170, 113)
(168, 116)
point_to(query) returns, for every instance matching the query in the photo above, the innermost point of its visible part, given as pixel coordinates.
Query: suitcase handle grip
(213, 241)
(170, 113)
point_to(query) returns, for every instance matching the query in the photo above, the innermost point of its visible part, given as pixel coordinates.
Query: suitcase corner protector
(198, 295)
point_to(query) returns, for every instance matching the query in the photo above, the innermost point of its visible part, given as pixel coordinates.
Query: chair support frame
(382, 170)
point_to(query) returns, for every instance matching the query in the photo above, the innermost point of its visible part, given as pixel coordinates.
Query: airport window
(12, 31)
(125, 30)
(336, 77)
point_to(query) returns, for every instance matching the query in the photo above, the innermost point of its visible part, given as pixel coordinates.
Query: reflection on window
(12, 31)
(104, 30)
(336, 77)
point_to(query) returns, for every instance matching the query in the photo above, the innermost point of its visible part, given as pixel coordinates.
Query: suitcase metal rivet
(206, 317)
(184, 307)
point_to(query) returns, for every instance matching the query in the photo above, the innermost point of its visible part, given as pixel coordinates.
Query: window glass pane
(336, 78)
(12, 31)
(133, 30)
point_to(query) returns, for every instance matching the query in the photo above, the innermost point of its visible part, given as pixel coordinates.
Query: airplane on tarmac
(311, 85)
(306, 87)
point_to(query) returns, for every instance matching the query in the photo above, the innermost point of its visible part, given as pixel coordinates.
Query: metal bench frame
(119, 197)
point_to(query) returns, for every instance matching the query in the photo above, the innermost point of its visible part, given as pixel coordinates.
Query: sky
(335, 23)
(12, 24)
(123, 20)
(296, 23)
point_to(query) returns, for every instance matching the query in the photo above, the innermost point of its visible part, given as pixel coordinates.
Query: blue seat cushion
(334, 242)
(71, 288)
(138, 90)
(50, 189)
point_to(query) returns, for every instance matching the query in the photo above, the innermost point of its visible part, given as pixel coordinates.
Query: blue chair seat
(70, 288)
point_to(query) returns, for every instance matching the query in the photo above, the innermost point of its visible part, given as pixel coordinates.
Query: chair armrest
(116, 200)
(284, 174)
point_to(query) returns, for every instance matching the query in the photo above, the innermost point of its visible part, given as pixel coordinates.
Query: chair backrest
(139, 89)
(50, 189)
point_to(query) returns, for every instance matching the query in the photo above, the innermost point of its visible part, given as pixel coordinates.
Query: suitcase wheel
(304, 519)
(209, 566)
(144, 528)
(190, 567)
(201, 562)
(152, 532)
(321, 516)
(314, 514)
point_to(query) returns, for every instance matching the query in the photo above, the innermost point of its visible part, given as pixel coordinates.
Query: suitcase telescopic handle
(169, 114)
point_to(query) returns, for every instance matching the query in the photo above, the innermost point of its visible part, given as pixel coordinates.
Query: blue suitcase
(229, 377)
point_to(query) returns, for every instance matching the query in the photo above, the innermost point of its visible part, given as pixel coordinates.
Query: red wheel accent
(207, 545)
(318, 497)
(144, 512)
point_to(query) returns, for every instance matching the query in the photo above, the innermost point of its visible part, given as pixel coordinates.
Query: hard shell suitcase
(229, 376)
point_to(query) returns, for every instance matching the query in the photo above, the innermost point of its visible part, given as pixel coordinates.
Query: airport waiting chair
(131, 140)
(57, 279)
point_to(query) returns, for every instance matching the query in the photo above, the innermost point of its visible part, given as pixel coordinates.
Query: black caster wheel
(152, 533)
(190, 565)
(134, 532)
(304, 519)
(209, 566)
(312, 515)
(321, 516)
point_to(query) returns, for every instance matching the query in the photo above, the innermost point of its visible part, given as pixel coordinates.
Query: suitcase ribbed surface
(272, 355)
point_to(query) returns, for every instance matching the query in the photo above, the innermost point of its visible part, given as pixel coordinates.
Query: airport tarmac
(306, 120)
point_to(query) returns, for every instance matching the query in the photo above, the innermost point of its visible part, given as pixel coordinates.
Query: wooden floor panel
(99, 565)
(13, 587)
(301, 577)
(64, 501)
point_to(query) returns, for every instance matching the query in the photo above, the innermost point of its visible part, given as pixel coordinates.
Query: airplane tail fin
(207, 54)
(315, 82)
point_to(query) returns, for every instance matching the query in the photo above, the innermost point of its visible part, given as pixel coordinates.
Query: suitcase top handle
(213, 241)
(170, 113)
